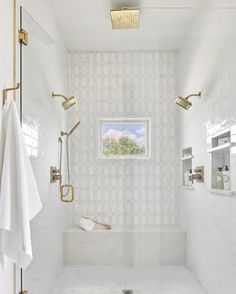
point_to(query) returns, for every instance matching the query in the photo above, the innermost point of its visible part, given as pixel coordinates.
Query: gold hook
(7, 90)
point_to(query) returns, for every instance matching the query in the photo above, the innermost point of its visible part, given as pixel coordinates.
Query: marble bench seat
(125, 246)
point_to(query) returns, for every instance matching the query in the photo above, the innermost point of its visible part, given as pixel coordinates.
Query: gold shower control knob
(55, 174)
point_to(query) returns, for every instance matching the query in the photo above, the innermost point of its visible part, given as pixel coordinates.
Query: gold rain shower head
(125, 18)
(69, 101)
(183, 101)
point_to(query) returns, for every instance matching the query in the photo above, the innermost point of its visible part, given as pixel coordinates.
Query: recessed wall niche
(221, 149)
(187, 157)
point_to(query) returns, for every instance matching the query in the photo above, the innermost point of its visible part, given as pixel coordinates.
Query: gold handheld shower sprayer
(184, 102)
(71, 131)
(66, 190)
(69, 101)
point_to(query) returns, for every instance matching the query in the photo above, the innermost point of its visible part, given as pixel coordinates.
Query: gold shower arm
(192, 95)
(58, 95)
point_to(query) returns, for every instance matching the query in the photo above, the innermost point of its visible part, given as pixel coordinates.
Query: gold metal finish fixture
(14, 46)
(126, 18)
(198, 176)
(69, 191)
(5, 92)
(55, 174)
(24, 292)
(183, 101)
(23, 37)
(69, 101)
(71, 131)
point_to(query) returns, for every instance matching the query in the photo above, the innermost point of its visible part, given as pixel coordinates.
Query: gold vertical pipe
(14, 46)
(14, 96)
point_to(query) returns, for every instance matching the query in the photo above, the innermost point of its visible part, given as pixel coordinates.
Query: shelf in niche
(187, 157)
(190, 188)
(222, 192)
(222, 147)
(221, 157)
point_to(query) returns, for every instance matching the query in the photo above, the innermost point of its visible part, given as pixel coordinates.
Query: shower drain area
(103, 291)
(126, 280)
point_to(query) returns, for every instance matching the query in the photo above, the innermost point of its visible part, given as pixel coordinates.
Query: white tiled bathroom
(129, 125)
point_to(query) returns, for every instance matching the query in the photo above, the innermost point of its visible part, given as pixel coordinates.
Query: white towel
(19, 197)
(86, 224)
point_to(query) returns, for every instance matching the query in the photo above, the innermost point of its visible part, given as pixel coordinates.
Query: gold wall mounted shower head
(69, 101)
(183, 101)
(125, 18)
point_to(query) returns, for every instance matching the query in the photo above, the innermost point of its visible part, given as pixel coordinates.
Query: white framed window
(125, 137)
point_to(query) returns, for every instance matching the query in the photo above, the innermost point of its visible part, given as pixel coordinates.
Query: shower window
(125, 138)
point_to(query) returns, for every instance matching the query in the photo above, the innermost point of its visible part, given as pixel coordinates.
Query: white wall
(124, 84)
(208, 64)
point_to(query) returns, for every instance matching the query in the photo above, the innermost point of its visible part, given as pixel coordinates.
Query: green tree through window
(124, 146)
(125, 138)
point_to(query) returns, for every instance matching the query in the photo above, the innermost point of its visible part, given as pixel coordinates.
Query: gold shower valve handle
(199, 174)
(55, 174)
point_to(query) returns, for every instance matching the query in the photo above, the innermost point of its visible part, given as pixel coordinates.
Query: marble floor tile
(112, 279)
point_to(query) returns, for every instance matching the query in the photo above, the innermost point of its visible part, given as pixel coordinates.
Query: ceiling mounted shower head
(183, 101)
(125, 18)
(69, 101)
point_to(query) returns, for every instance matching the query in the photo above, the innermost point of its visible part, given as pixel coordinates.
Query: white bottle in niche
(186, 176)
(226, 177)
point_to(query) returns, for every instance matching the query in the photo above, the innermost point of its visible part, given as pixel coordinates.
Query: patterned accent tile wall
(130, 192)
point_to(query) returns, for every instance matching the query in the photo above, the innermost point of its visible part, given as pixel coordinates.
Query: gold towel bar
(4, 92)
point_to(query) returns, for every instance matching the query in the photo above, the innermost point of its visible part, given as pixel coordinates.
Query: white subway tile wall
(208, 63)
(124, 85)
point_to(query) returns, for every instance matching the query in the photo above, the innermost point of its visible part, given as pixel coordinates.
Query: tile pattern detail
(124, 84)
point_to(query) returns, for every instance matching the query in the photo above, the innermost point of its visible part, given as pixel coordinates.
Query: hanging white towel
(19, 197)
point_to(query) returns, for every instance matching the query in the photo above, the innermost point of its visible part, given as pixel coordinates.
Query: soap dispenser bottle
(226, 177)
(190, 177)
(219, 178)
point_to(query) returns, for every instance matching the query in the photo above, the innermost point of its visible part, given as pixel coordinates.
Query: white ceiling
(86, 24)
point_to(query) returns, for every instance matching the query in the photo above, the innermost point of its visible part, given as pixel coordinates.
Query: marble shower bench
(125, 246)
